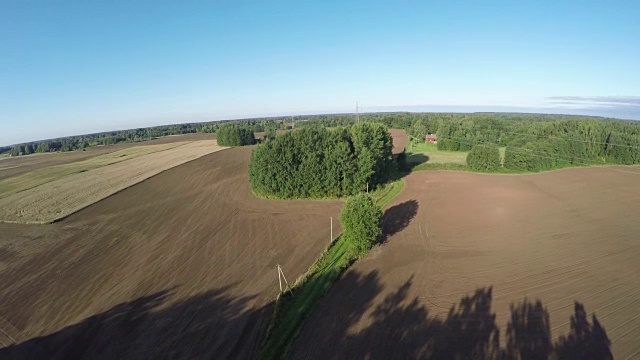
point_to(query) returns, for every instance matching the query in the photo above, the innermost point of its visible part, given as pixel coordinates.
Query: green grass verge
(423, 152)
(290, 312)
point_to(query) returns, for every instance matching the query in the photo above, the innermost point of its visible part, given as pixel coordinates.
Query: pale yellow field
(47, 174)
(71, 187)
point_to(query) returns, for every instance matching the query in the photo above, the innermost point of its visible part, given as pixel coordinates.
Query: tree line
(81, 142)
(315, 162)
(533, 142)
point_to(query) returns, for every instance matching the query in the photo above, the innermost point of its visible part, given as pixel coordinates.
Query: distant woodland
(80, 142)
(533, 142)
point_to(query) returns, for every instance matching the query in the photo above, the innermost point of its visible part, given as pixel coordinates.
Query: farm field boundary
(32, 179)
(64, 195)
(291, 312)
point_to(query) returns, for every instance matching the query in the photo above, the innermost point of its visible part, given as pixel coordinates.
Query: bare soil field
(486, 242)
(180, 266)
(48, 194)
(400, 140)
(13, 166)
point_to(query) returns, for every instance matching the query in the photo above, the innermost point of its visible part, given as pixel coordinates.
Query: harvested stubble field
(13, 166)
(31, 179)
(562, 236)
(50, 193)
(181, 266)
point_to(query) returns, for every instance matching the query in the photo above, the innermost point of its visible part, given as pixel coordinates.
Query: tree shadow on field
(414, 160)
(400, 326)
(398, 217)
(208, 325)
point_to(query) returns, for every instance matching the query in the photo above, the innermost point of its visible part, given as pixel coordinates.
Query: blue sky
(72, 67)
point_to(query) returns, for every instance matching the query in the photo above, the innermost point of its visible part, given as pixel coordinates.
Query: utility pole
(331, 230)
(357, 115)
(280, 277)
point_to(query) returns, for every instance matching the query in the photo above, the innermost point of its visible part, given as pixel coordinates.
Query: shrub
(361, 223)
(484, 157)
(235, 135)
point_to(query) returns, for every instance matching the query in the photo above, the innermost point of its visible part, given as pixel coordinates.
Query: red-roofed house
(431, 138)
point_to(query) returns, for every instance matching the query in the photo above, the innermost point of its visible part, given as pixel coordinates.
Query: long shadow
(401, 327)
(414, 160)
(404, 164)
(398, 217)
(586, 340)
(208, 325)
(214, 325)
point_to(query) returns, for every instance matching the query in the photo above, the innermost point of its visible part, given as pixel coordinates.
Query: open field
(418, 150)
(182, 265)
(400, 140)
(48, 194)
(13, 166)
(562, 236)
(31, 179)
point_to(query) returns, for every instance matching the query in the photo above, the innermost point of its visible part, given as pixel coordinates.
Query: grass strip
(291, 312)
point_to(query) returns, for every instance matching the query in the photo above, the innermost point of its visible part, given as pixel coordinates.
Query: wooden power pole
(280, 278)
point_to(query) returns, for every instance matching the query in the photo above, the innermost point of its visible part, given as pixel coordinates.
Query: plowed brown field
(180, 266)
(562, 236)
(400, 140)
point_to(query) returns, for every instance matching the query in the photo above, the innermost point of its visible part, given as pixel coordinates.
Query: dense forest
(315, 162)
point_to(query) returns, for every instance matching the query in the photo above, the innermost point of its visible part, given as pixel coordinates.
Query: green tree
(373, 145)
(43, 147)
(235, 135)
(269, 134)
(484, 157)
(314, 162)
(28, 149)
(361, 223)
(16, 150)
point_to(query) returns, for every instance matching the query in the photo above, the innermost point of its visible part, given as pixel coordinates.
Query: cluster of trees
(361, 223)
(484, 158)
(315, 162)
(235, 135)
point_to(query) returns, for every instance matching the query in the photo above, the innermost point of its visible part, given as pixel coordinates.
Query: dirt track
(182, 265)
(562, 236)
